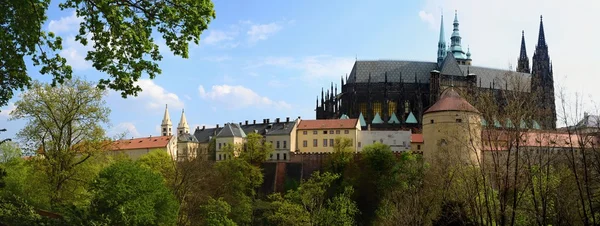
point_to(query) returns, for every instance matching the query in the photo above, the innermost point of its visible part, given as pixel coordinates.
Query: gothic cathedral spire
(456, 47)
(166, 124)
(441, 53)
(523, 63)
(183, 126)
(542, 82)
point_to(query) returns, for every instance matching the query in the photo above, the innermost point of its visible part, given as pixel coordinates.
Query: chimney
(268, 120)
(264, 121)
(217, 126)
(254, 122)
(299, 117)
(203, 127)
(277, 120)
(287, 119)
(240, 123)
(246, 122)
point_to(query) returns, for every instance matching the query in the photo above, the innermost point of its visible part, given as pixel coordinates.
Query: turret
(183, 127)
(456, 47)
(165, 126)
(441, 53)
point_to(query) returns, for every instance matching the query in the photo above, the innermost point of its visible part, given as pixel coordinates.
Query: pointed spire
(468, 52)
(455, 47)
(542, 36)
(166, 119)
(183, 120)
(523, 62)
(441, 43)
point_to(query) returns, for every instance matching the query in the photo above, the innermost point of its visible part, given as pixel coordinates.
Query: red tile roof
(141, 143)
(450, 100)
(416, 138)
(328, 124)
(537, 139)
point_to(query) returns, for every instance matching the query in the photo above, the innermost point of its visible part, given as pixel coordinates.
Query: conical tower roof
(183, 121)
(450, 100)
(166, 119)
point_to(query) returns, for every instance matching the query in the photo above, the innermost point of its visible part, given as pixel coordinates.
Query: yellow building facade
(318, 136)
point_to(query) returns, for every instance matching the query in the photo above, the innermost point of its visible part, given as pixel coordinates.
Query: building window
(305, 132)
(359, 144)
(337, 132)
(346, 131)
(284, 144)
(315, 132)
(374, 141)
(377, 108)
(331, 142)
(305, 143)
(331, 132)
(391, 108)
(406, 107)
(271, 156)
(325, 132)
(219, 145)
(164, 129)
(277, 156)
(324, 142)
(169, 129)
(315, 142)
(284, 156)
(418, 147)
(363, 108)
(277, 144)
(404, 143)
(458, 120)
(432, 121)
(219, 156)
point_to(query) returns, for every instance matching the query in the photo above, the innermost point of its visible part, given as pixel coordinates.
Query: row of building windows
(284, 156)
(331, 143)
(315, 132)
(377, 107)
(277, 144)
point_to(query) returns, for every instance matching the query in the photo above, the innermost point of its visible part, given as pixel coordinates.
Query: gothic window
(406, 107)
(391, 107)
(363, 108)
(377, 108)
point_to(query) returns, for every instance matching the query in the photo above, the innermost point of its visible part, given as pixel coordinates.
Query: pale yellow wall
(281, 150)
(227, 140)
(463, 139)
(187, 150)
(417, 146)
(135, 154)
(352, 134)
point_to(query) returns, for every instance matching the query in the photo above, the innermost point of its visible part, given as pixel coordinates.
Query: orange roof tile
(141, 143)
(450, 100)
(328, 124)
(553, 139)
(416, 138)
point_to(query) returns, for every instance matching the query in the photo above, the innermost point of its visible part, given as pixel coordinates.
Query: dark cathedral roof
(408, 70)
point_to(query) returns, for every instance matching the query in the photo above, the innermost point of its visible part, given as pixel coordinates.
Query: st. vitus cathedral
(393, 94)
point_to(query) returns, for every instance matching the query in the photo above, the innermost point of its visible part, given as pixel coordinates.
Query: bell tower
(165, 126)
(183, 127)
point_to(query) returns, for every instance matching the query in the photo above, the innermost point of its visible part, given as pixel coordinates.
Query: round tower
(452, 130)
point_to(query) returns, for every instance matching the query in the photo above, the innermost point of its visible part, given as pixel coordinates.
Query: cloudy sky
(269, 59)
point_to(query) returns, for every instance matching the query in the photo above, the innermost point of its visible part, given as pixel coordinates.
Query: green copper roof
(509, 124)
(394, 119)
(377, 119)
(344, 116)
(411, 118)
(361, 120)
(483, 122)
(536, 125)
(497, 123)
(523, 124)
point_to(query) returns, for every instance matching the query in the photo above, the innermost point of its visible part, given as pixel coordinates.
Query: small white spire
(166, 119)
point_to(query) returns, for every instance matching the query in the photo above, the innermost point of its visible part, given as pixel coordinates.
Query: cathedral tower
(455, 46)
(183, 127)
(441, 53)
(523, 63)
(165, 126)
(542, 82)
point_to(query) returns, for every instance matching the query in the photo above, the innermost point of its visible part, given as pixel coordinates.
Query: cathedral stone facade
(394, 94)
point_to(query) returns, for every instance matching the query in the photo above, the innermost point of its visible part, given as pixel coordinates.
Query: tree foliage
(127, 194)
(256, 150)
(120, 32)
(215, 213)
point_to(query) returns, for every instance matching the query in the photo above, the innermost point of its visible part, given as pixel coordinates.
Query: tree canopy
(122, 34)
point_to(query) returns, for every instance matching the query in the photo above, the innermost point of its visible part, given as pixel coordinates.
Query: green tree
(256, 150)
(309, 204)
(121, 33)
(341, 156)
(215, 213)
(8, 151)
(160, 162)
(64, 125)
(127, 194)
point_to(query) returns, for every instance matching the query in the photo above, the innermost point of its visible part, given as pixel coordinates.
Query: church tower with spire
(441, 53)
(523, 62)
(165, 126)
(542, 82)
(456, 46)
(183, 127)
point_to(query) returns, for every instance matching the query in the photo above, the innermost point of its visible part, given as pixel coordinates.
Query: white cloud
(217, 58)
(125, 127)
(428, 18)
(187, 97)
(236, 97)
(5, 112)
(314, 68)
(156, 96)
(217, 36)
(277, 84)
(65, 24)
(259, 32)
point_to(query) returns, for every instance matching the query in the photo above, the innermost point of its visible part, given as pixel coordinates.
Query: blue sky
(269, 59)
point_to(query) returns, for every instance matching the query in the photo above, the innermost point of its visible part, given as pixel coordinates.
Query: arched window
(392, 106)
(406, 106)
